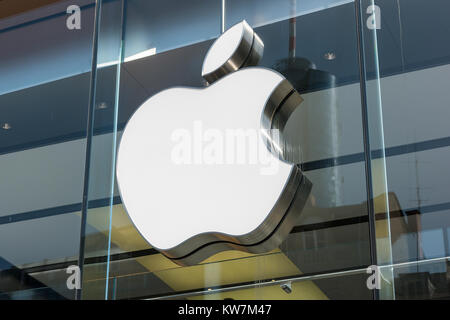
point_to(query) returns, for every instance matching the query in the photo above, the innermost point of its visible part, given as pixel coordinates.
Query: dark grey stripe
(297, 229)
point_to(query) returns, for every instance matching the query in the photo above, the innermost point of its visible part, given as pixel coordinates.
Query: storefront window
(371, 136)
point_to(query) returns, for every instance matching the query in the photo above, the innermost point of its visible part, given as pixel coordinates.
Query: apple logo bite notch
(189, 210)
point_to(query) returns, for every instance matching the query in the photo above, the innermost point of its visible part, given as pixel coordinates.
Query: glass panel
(407, 67)
(332, 232)
(44, 89)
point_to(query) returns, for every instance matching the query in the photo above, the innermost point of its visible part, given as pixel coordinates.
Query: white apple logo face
(193, 169)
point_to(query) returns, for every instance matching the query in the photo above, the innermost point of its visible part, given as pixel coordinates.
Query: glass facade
(372, 129)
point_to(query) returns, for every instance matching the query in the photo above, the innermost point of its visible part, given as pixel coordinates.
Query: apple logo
(190, 170)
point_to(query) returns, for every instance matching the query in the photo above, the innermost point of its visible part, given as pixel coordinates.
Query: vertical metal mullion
(89, 131)
(366, 138)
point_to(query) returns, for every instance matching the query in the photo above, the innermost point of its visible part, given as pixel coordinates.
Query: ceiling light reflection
(137, 56)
